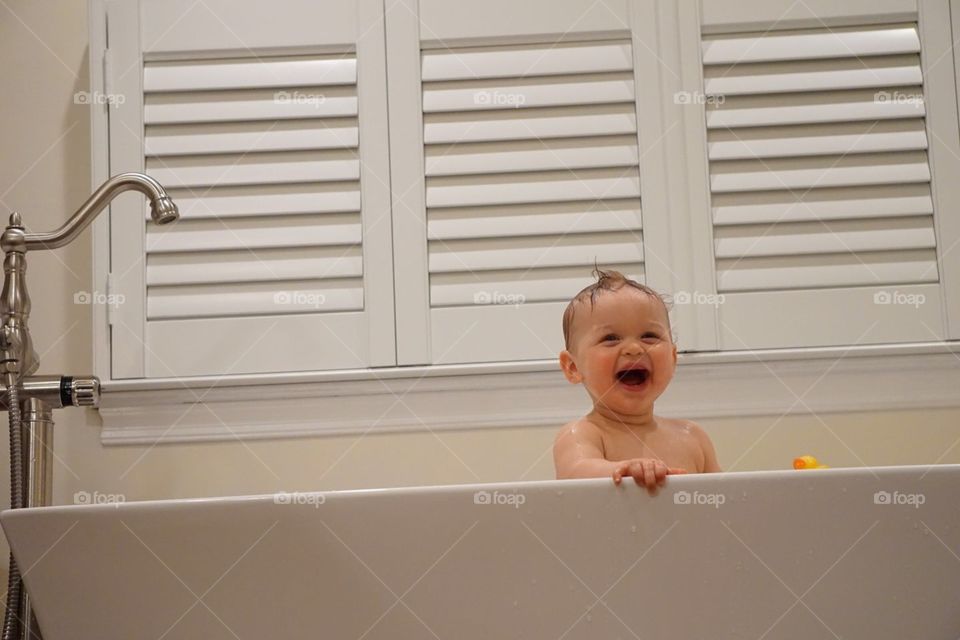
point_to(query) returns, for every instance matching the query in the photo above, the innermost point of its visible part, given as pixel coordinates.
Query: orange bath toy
(808, 462)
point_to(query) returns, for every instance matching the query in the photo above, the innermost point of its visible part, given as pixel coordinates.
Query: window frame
(708, 384)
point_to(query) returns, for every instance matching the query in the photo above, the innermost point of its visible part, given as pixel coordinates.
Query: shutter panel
(269, 195)
(824, 212)
(530, 176)
(264, 155)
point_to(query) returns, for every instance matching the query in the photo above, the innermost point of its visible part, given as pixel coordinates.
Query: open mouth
(633, 377)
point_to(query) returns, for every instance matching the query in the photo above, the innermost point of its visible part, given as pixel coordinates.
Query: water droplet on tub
(633, 528)
(843, 489)
(559, 493)
(533, 581)
(578, 516)
(589, 618)
(516, 604)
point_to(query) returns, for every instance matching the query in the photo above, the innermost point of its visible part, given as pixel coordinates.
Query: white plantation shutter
(797, 159)
(277, 160)
(825, 207)
(530, 175)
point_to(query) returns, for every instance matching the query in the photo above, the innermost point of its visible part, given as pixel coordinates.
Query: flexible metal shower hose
(11, 623)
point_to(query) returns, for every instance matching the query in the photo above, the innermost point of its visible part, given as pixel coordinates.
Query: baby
(619, 345)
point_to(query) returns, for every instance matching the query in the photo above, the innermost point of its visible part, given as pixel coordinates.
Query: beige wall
(45, 174)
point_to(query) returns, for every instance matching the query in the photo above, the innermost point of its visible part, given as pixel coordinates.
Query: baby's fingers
(661, 471)
(619, 471)
(651, 473)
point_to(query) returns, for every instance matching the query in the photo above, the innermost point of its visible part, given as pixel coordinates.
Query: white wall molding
(527, 394)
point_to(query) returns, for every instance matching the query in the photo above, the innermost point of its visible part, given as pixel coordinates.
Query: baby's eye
(610, 337)
(651, 337)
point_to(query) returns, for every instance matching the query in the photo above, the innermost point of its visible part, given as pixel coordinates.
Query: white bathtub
(846, 553)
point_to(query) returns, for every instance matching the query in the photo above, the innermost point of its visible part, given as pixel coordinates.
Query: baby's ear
(569, 367)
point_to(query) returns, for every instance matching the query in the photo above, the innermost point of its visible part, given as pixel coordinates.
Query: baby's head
(618, 343)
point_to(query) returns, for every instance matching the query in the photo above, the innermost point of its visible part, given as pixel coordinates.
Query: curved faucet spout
(162, 209)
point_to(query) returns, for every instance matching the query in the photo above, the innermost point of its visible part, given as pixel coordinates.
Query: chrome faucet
(30, 400)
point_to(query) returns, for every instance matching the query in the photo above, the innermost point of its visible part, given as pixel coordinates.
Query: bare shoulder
(679, 426)
(710, 463)
(579, 430)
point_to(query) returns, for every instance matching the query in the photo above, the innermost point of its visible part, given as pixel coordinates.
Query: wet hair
(607, 280)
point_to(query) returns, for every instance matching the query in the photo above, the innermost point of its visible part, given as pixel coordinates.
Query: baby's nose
(633, 346)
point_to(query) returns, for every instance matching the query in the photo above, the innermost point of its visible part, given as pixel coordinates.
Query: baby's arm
(578, 453)
(710, 463)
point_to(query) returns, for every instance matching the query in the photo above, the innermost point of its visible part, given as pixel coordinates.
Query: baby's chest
(676, 451)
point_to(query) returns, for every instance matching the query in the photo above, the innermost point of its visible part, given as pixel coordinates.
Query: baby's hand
(648, 471)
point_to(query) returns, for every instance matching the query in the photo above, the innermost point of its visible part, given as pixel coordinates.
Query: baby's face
(621, 350)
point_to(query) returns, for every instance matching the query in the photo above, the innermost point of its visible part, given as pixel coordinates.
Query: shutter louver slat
(487, 63)
(855, 73)
(828, 43)
(248, 106)
(250, 299)
(262, 158)
(819, 171)
(246, 265)
(481, 96)
(532, 170)
(543, 285)
(832, 270)
(240, 137)
(529, 124)
(817, 140)
(257, 232)
(531, 220)
(258, 200)
(210, 75)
